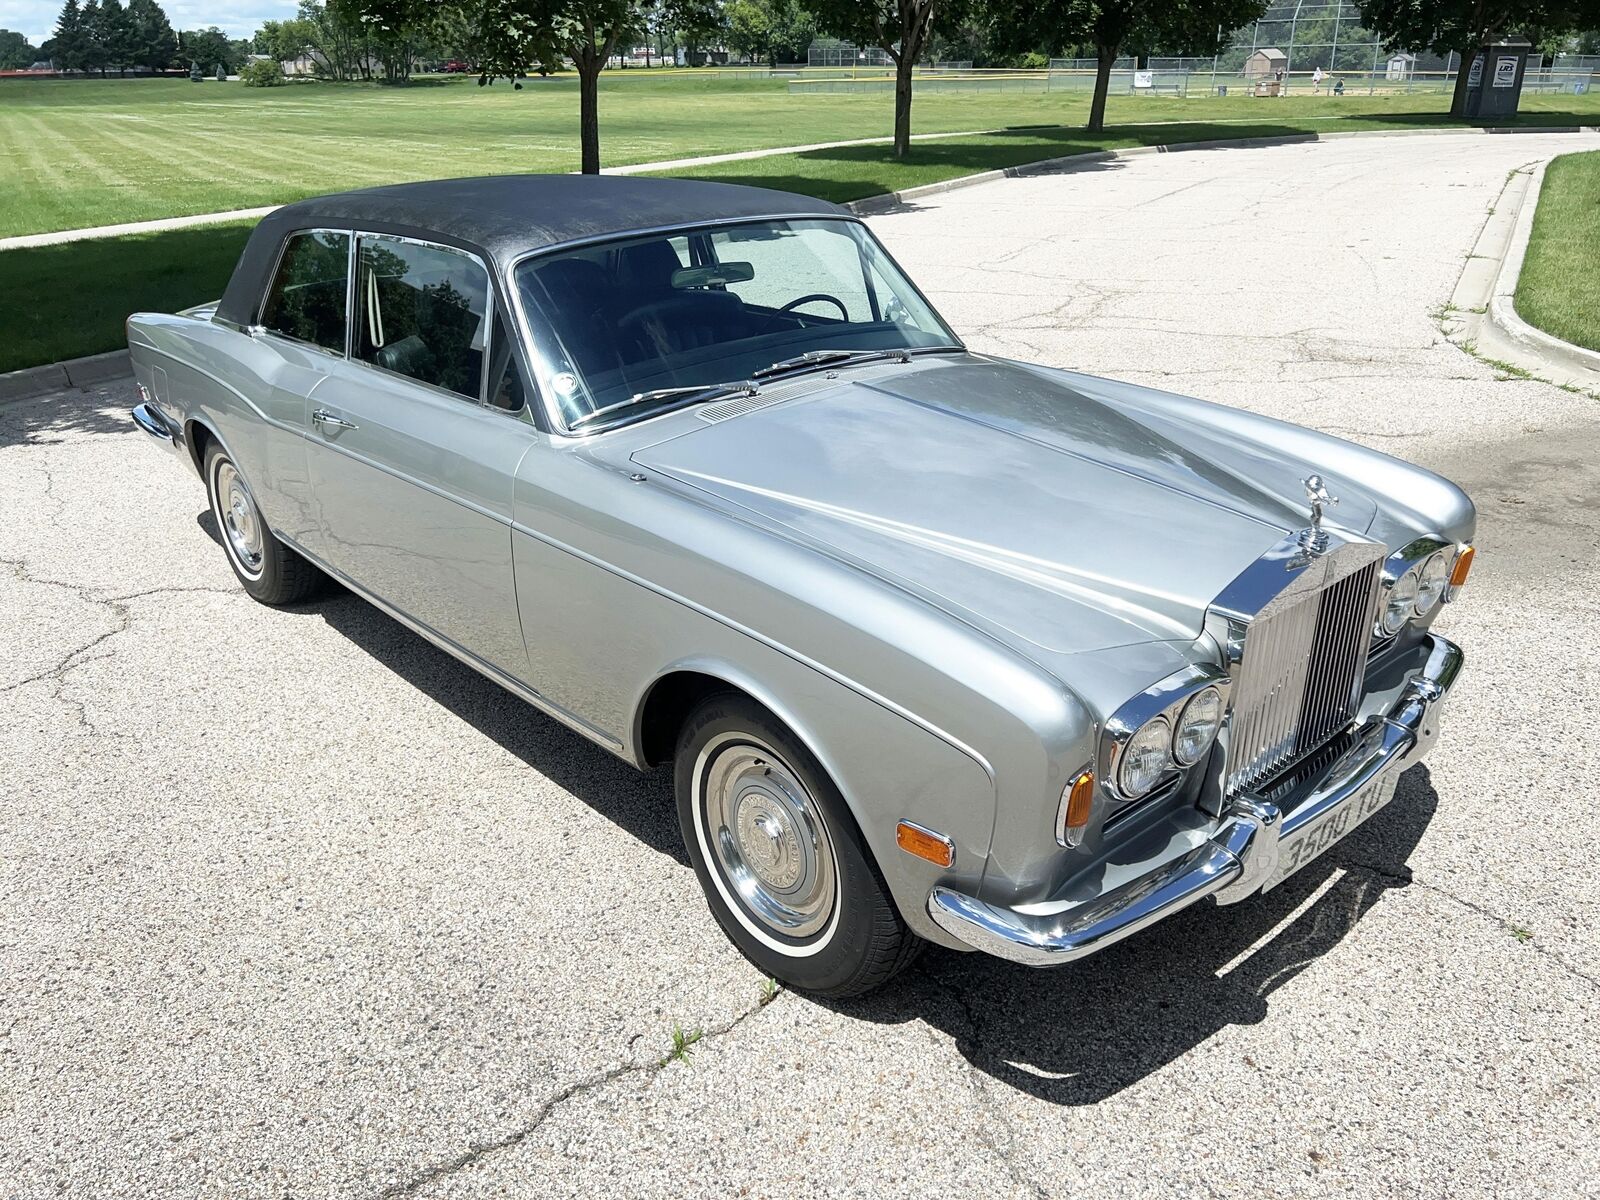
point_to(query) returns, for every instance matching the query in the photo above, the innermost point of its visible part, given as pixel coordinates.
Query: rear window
(422, 312)
(307, 298)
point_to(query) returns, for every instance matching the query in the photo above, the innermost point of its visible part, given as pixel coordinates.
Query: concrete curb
(73, 373)
(1502, 312)
(891, 200)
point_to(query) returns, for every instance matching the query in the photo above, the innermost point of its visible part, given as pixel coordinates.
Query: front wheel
(268, 570)
(785, 870)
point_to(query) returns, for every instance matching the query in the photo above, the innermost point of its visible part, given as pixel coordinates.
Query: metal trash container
(1494, 81)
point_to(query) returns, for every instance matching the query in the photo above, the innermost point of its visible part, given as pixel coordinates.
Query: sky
(36, 19)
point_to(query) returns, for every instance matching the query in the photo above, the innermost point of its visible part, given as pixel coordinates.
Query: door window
(421, 311)
(307, 297)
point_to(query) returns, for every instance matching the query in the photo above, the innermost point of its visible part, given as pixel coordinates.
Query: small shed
(1264, 64)
(1400, 66)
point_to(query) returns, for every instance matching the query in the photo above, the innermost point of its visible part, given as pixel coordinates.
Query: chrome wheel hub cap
(241, 524)
(769, 841)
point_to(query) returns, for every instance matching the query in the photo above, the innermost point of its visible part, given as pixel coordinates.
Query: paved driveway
(292, 904)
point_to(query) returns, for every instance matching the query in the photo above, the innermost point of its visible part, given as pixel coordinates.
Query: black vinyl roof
(506, 216)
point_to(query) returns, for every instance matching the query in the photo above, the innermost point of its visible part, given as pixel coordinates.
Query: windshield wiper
(817, 358)
(703, 391)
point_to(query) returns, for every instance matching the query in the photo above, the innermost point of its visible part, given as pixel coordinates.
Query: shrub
(222, 73)
(263, 72)
(1033, 61)
(194, 72)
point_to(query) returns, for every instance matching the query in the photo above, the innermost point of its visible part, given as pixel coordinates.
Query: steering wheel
(844, 313)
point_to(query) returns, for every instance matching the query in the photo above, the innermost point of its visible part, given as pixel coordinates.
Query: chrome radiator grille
(1300, 677)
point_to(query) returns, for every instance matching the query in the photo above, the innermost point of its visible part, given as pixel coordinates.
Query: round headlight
(1197, 726)
(1400, 604)
(1144, 758)
(1431, 584)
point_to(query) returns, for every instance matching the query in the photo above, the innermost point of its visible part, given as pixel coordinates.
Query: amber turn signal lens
(1458, 573)
(1079, 801)
(924, 843)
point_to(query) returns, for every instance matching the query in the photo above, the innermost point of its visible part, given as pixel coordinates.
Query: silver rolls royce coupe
(941, 647)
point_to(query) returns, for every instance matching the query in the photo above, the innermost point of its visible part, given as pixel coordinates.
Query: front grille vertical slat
(1299, 679)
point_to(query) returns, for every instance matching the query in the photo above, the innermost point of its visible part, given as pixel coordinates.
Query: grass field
(76, 154)
(1564, 250)
(79, 153)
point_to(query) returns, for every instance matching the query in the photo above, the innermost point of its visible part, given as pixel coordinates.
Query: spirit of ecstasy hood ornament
(1316, 540)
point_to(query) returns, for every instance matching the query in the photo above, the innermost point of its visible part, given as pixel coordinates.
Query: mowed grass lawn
(1559, 288)
(76, 153)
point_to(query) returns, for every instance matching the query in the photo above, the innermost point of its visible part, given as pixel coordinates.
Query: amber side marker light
(925, 843)
(1459, 572)
(1080, 799)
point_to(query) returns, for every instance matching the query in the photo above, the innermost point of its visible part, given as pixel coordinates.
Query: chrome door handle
(323, 417)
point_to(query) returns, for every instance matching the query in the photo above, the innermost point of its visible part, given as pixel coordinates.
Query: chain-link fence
(827, 53)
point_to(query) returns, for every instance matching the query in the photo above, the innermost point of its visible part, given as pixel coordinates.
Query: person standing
(1316, 81)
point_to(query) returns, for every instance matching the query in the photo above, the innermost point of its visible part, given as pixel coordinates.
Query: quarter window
(307, 298)
(506, 389)
(421, 311)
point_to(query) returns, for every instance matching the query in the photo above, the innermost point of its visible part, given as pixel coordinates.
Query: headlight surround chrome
(1432, 579)
(1144, 758)
(1399, 605)
(1197, 727)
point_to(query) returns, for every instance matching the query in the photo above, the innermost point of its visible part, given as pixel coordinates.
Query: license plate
(1306, 845)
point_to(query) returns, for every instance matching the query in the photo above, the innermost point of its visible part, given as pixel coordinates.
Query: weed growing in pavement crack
(769, 991)
(1521, 934)
(681, 1042)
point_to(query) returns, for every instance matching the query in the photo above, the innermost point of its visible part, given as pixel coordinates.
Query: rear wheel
(785, 870)
(266, 568)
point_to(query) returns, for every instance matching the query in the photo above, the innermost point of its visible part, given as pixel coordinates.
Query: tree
(209, 46)
(1465, 25)
(749, 29)
(16, 52)
(395, 29)
(282, 40)
(67, 46)
(154, 44)
(92, 55)
(901, 28)
(1176, 26)
(514, 34)
(697, 23)
(116, 34)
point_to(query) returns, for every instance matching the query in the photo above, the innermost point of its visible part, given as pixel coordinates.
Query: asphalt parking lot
(291, 904)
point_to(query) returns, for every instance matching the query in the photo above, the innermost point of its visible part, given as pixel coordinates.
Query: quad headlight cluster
(1164, 741)
(1420, 584)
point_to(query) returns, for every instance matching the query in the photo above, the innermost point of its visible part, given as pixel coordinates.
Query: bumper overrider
(1256, 844)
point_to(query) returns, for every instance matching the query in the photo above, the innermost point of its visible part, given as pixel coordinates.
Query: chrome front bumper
(1239, 859)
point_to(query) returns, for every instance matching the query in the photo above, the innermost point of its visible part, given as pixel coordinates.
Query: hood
(1004, 495)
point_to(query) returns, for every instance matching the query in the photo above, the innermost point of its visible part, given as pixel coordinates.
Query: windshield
(624, 321)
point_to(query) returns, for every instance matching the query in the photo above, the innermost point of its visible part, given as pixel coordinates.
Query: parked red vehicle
(456, 67)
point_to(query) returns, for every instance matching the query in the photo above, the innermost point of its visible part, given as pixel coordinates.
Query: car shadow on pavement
(1081, 1033)
(641, 805)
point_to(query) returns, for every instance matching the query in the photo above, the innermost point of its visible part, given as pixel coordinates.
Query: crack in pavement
(120, 608)
(1409, 879)
(476, 1152)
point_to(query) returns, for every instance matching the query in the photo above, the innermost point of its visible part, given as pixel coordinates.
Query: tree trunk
(903, 67)
(1458, 100)
(589, 110)
(1104, 57)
